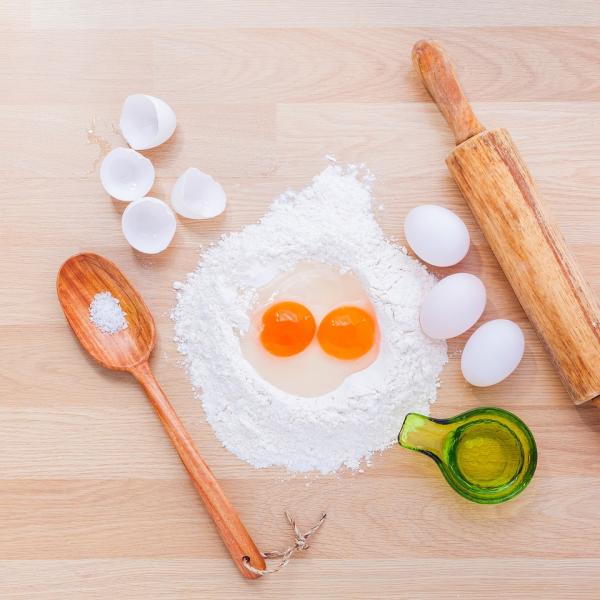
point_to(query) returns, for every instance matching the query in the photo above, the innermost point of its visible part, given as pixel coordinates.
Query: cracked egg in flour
(310, 329)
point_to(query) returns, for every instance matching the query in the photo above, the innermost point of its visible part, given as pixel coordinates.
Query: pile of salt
(106, 313)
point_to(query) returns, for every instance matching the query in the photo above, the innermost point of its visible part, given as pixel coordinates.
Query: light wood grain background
(93, 500)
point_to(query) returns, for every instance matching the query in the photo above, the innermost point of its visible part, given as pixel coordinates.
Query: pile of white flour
(330, 221)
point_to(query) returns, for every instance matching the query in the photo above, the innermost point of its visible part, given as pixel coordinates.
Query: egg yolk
(347, 332)
(288, 328)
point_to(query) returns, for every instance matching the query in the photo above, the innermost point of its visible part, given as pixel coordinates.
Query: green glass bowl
(487, 455)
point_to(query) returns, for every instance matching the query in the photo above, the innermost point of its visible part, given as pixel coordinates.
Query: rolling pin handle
(440, 80)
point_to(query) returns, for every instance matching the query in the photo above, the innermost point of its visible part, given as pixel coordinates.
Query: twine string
(301, 543)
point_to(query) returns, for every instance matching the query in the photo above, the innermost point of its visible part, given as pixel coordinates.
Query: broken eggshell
(197, 195)
(146, 121)
(126, 174)
(148, 225)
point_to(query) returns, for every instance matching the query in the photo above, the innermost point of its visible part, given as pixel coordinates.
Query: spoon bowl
(79, 280)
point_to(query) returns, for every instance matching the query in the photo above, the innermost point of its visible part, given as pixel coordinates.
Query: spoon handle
(232, 530)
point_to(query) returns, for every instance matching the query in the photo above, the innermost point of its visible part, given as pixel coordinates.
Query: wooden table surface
(94, 502)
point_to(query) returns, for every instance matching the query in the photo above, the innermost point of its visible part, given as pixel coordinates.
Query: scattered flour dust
(106, 313)
(330, 221)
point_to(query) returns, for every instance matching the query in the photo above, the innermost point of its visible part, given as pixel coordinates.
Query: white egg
(452, 306)
(148, 225)
(197, 195)
(437, 235)
(146, 121)
(492, 353)
(126, 174)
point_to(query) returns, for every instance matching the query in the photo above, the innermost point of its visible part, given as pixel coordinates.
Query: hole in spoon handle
(230, 527)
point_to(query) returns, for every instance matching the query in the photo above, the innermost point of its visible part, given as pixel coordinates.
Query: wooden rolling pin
(498, 188)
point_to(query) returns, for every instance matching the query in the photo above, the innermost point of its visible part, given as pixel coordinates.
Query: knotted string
(300, 544)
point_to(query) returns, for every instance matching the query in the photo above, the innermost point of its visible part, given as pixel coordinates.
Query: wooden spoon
(79, 280)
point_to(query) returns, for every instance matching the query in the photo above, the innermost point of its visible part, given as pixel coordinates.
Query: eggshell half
(197, 195)
(126, 174)
(146, 121)
(148, 225)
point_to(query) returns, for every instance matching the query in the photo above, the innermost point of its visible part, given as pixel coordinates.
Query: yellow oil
(486, 454)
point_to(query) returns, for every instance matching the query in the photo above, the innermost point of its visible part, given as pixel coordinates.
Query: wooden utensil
(79, 280)
(498, 188)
